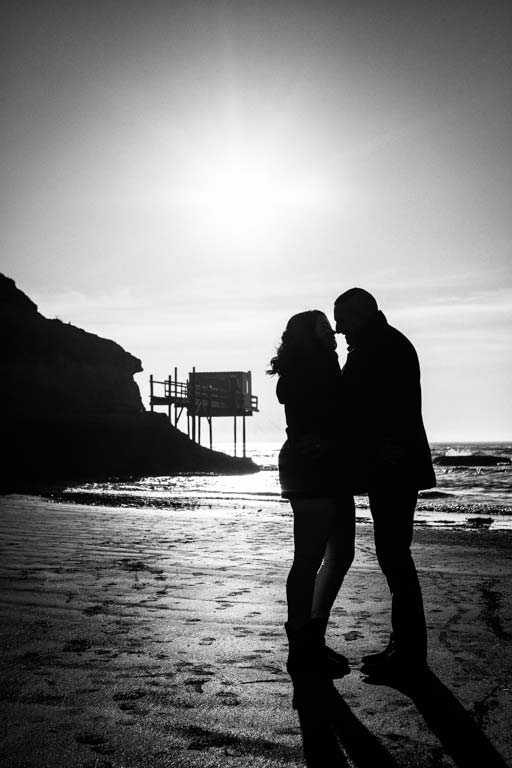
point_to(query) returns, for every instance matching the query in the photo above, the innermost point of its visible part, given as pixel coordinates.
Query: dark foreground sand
(154, 638)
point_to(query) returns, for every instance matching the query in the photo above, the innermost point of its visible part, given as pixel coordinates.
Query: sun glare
(238, 191)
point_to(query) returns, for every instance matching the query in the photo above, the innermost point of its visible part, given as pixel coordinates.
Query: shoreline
(138, 638)
(495, 519)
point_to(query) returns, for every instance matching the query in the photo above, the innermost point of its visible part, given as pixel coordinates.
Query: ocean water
(477, 497)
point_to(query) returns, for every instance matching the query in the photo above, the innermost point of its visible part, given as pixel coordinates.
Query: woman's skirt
(311, 469)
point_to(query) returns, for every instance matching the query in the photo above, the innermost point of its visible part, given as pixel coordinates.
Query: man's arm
(400, 401)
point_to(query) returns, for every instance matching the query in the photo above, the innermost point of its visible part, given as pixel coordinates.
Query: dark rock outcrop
(70, 408)
(51, 369)
(471, 460)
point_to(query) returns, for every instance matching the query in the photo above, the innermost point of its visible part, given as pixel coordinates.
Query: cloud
(490, 307)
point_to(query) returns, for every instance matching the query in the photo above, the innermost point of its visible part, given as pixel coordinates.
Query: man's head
(352, 310)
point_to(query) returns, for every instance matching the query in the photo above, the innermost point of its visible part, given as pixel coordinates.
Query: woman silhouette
(310, 473)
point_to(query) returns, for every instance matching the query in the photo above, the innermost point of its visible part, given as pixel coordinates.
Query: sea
(477, 497)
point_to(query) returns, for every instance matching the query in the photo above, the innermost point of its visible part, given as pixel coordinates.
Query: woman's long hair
(299, 343)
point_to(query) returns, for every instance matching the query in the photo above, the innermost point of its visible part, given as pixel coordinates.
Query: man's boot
(394, 661)
(377, 658)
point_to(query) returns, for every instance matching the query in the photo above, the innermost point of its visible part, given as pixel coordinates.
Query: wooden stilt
(193, 403)
(176, 417)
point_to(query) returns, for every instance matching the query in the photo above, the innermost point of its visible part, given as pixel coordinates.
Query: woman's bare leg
(339, 554)
(312, 529)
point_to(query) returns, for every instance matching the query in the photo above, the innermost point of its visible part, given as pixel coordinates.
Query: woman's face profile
(325, 333)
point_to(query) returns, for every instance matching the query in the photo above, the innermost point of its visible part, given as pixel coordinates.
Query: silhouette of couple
(355, 430)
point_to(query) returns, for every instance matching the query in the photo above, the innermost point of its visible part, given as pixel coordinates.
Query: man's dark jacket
(381, 397)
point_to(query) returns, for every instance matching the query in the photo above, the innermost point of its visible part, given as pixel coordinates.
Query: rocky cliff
(71, 409)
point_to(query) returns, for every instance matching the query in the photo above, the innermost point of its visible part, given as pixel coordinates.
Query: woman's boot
(337, 663)
(307, 664)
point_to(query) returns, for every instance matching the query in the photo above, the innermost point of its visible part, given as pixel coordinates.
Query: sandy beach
(137, 637)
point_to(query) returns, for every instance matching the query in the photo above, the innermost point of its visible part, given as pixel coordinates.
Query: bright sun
(237, 191)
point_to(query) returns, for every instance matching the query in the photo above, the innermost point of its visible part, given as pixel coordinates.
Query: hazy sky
(182, 177)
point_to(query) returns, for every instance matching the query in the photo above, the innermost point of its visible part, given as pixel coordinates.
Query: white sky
(182, 177)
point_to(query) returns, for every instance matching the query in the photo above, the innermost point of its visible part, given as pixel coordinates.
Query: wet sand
(155, 638)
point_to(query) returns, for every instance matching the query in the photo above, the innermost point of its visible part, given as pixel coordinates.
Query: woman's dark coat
(309, 466)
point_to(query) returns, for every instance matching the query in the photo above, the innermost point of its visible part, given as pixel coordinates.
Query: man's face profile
(345, 318)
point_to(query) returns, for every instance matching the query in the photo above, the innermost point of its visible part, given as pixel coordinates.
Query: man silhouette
(391, 461)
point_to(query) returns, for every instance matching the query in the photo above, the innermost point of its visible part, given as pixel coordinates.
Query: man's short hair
(358, 296)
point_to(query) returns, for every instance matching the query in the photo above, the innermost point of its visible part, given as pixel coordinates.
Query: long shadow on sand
(329, 727)
(458, 733)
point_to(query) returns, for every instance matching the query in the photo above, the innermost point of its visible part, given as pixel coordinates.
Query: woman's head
(307, 335)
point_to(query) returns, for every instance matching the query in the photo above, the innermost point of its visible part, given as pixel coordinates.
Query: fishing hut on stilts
(206, 395)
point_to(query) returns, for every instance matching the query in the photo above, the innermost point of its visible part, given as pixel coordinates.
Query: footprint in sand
(98, 744)
(90, 738)
(98, 764)
(34, 659)
(228, 698)
(129, 564)
(134, 695)
(77, 645)
(196, 683)
(222, 605)
(201, 670)
(40, 697)
(288, 731)
(128, 701)
(272, 668)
